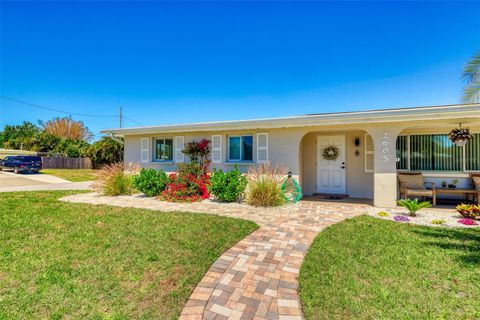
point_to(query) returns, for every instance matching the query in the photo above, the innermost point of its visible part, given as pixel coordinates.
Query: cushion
(420, 192)
(476, 182)
(411, 181)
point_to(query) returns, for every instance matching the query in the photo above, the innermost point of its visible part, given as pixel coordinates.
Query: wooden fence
(66, 163)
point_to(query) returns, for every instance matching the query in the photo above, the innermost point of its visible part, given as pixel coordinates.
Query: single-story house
(366, 148)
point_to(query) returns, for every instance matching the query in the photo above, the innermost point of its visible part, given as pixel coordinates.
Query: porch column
(385, 168)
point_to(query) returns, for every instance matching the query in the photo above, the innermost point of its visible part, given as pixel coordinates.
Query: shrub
(186, 188)
(106, 151)
(116, 179)
(264, 186)
(150, 181)
(413, 205)
(227, 186)
(469, 211)
(383, 214)
(438, 221)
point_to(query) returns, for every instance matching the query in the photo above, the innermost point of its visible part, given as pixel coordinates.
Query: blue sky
(187, 62)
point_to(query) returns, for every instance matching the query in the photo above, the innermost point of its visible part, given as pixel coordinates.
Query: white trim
(465, 111)
(217, 150)
(178, 155)
(260, 148)
(144, 150)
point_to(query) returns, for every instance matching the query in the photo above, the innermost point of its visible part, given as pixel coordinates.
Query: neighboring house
(374, 146)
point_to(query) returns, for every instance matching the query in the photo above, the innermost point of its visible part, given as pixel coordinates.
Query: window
(368, 153)
(472, 154)
(402, 153)
(163, 150)
(240, 148)
(435, 152)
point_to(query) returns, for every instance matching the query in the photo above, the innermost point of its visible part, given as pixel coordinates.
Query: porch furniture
(413, 184)
(476, 183)
(466, 192)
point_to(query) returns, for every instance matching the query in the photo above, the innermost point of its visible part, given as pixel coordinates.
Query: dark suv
(21, 163)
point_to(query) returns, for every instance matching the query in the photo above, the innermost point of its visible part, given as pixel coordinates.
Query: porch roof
(456, 111)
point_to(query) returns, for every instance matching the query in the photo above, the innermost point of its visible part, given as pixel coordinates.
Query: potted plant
(453, 184)
(444, 184)
(413, 205)
(460, 136)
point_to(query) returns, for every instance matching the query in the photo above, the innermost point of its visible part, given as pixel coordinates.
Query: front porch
(370, 158)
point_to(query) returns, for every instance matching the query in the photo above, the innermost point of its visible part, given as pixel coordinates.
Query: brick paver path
(258, 277)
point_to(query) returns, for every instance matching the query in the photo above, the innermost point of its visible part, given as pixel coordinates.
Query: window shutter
(144, 150)
(217, 149)
(179, 145)
(369, 157)
(262, 147)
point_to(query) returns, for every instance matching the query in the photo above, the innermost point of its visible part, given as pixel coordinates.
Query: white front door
(331, 174)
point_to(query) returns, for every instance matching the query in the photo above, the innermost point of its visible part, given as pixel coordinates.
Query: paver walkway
(258, 277)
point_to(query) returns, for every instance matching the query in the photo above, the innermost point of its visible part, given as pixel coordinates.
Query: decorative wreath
(330, 153)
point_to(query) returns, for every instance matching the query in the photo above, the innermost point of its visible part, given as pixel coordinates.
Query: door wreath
(330, 153)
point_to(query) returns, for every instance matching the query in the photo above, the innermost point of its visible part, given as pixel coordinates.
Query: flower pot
(460, 143)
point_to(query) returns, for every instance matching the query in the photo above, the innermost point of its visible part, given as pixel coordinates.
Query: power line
(58, 110)
(69, 113)
(133, 120)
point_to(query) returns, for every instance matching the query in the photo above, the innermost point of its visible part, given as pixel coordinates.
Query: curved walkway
(258, 277)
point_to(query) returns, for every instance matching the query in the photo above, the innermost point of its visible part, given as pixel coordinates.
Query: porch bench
(413, 184)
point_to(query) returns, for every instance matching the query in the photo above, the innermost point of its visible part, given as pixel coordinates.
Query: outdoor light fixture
(357, 142)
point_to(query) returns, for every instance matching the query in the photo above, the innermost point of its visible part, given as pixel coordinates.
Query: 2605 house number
(385, 148)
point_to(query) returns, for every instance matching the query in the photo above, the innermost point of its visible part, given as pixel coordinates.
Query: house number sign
(385, 146)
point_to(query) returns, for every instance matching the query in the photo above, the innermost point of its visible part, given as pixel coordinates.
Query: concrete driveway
(10, 182)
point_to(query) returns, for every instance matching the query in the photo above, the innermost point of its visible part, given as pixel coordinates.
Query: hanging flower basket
(330, 153)
(460, 136)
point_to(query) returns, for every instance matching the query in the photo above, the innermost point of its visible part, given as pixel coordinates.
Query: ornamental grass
(116, 179)
(264, 186)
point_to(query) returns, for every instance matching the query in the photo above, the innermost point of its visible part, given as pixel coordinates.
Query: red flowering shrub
(191, 182)
(186, 188)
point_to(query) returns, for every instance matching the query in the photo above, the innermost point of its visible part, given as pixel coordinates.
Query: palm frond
(471, 75)
(471, 71)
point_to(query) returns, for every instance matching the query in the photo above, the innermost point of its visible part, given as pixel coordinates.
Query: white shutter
(217, 149)
(179, 145)
(369, 157)
(144, 150)
(262, 147)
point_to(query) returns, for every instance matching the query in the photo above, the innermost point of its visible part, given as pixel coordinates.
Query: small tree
(106, 151)
(67, 128)
(198, 153)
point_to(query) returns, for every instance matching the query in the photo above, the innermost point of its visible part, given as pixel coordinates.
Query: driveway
(10, 182)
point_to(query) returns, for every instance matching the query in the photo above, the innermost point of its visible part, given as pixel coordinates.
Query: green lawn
(73, 175)
(366, 268)
(77, 261)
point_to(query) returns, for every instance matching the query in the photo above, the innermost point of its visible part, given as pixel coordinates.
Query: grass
(78, 261)
(74, 175)
(367, 268)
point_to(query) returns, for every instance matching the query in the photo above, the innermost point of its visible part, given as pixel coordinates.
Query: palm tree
(471, 74)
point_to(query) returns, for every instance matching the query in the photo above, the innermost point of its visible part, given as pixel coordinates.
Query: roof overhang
(462, 111)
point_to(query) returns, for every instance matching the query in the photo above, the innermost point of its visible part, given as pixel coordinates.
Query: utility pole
(121, 117)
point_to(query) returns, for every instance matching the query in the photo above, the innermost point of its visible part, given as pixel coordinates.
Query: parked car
(21, 163)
